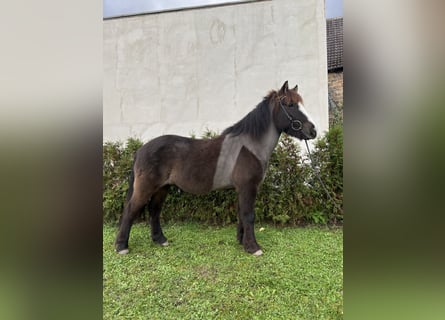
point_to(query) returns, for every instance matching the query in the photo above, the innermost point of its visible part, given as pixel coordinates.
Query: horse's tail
(130, 189)
(131, 182)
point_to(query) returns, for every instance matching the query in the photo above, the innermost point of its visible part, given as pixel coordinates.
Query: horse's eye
(292, 105)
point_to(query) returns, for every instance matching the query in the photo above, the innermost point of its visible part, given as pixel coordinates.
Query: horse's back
(164, 146)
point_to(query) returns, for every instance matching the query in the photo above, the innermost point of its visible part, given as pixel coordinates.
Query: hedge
(290, 194)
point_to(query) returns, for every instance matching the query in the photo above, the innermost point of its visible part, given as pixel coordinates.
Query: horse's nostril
(313, 132)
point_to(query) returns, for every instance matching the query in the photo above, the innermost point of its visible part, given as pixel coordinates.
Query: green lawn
(205, 274)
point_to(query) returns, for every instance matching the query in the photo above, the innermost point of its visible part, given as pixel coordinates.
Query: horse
(237, 159)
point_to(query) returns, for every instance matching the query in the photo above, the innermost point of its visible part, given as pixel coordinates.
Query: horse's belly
(190, 181)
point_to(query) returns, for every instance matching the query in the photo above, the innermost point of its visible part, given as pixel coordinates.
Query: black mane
(255, 123)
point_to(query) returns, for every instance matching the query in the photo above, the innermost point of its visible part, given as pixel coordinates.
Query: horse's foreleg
(246, 204)
(154, 208)
(240, 228)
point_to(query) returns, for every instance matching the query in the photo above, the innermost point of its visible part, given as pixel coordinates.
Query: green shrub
(282, 198)
(117, 163)
(328, 156)
(290, 194)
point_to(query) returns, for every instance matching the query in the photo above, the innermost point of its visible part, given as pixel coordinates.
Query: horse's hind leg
(136, 202)
(131, 210)
(154, 208)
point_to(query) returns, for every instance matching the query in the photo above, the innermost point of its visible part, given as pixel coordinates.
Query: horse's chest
(225, 164)
(227, 159)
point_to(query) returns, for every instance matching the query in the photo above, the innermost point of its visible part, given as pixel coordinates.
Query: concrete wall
(182, 72)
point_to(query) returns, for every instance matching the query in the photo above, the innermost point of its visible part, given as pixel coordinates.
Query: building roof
(334, 38)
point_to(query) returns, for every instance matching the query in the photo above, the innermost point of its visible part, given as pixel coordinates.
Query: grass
(205, 274)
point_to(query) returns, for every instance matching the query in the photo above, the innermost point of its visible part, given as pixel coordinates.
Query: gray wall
(182, 72)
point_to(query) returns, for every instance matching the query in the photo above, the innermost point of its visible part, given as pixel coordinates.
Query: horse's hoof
(258, 253)
(165, 244)
(123, 251)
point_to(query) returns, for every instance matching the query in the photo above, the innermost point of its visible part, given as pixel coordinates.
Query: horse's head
(290, 116)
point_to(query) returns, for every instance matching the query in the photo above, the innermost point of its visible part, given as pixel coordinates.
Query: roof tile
(334, 37)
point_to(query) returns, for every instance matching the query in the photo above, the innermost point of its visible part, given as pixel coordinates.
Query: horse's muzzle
(310, 132)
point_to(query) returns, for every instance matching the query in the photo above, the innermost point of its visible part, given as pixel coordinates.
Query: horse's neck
(263, 147)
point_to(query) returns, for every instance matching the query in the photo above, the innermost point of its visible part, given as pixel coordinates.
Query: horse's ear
(284, 88)
(295, 88)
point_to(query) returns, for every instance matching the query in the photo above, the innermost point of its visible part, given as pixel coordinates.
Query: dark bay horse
(236, 159)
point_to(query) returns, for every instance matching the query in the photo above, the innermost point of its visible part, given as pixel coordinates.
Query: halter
(292, 121)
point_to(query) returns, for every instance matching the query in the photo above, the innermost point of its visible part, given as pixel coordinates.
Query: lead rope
(317, 174)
